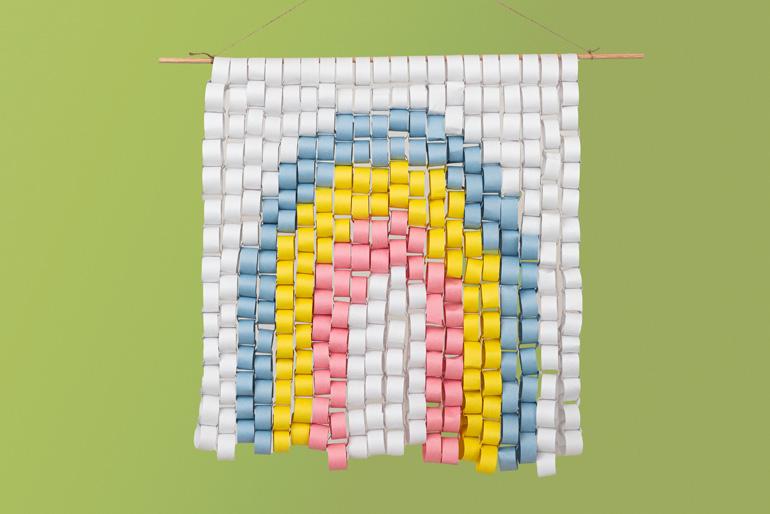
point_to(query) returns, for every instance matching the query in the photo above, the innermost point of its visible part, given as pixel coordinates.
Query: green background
(100, 248)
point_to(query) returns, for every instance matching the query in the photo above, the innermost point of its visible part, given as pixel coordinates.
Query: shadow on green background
(101, 220)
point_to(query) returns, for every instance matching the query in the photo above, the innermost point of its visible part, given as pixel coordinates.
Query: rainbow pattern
(391, 258)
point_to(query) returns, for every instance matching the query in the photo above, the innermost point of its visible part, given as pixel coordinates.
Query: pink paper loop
(453, 314)
(360, 232)
(399, 221)
(323, 276)
(398, 252)
(360, 257)
(434, 364)
(450, 450)
(358, 289)
(337, 456)
(320, 412)
(320, 356)
(322, 301)
(434, 419)
(342, 255)
(415, 267)
(319, 436)
(434, 281)
(453, 368)
(338, 363)
(415, 240)
(380, 260)
(379, 237)
(340, 314)
(434, 339)
(342, 282)
(322, 325)
(338, 394)
(338, 425)
(453, 393)
(454, 341)
(338, 340)
(434, 309)
(452, 417)
(321, 381)
(433, 389)
(453, 290)
(431, 450)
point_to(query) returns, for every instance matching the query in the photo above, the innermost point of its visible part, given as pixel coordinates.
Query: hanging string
(588, 51)
(260, 28)
(547, 29)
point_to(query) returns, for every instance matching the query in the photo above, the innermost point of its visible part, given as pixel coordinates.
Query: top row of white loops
(380, 70)
(344, 73)
(532, 69)
(220, 70)
(454, 68)
(274, 72)
(399, 69)
(490, 69)
(569, 67)
(472, 69)
(239, 71)
(436, 69)
(510, 69)
(363, 71)
(418, 70)
(309, 72)
(291, 72)
(257, 68)
(549, 70)
(326, 70)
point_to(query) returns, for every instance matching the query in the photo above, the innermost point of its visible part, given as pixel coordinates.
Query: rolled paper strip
(433, 389)
(340, 314)
(321, 381)
(324, 277)
(432, 448)
(394, 442)
(487, 462)
(342, 283)
(338, 340)
(450, 450)
(527, 417)
(342, 255)
(337, 456)
(527, 448)
(375, 440)
(453, 393)
(357, 447)
(510, 429)
(338, 365)
(338, 425)
(319, 436)
(434, 420)
(263, 442)
(322, 326)
(452, 419)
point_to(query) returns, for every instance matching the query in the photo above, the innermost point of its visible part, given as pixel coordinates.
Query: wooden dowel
(207, 60)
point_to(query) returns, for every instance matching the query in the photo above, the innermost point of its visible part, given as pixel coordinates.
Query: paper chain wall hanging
(391, 258)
